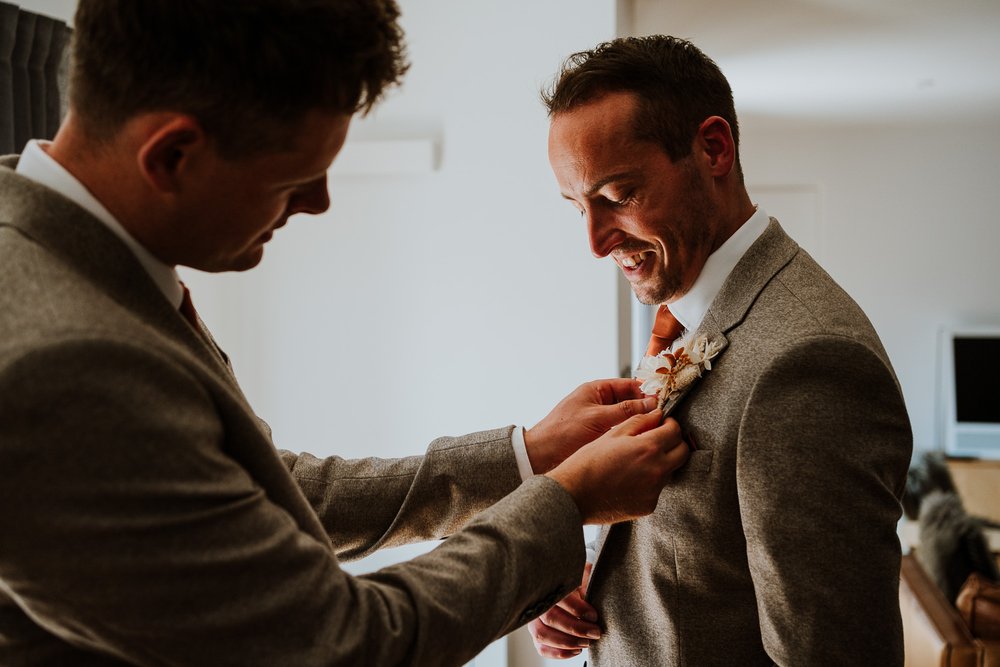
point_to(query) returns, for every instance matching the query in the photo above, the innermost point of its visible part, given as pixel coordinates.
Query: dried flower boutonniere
(670, 372)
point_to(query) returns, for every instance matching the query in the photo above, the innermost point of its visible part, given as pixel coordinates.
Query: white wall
(908, 226)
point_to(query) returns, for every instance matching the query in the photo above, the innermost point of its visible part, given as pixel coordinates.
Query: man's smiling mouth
(632, 262)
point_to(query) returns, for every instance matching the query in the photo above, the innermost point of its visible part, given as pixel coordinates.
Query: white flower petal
(651, 387)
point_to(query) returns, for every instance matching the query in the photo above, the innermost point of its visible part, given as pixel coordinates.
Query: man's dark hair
(248, 70)
(677, 85)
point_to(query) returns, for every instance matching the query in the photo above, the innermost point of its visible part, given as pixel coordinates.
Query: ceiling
(845, 60)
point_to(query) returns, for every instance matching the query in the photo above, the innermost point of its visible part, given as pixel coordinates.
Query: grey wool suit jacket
(776, 543)
(146, 517)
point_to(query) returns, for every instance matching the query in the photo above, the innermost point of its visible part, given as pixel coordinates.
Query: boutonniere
(669, 373)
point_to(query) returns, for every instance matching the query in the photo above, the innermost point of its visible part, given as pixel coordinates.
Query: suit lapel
(758, 266)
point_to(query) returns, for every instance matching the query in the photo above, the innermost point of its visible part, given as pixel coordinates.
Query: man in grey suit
(145, 515)
(776, 543)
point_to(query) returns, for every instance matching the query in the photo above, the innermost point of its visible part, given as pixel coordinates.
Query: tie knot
(666, 329)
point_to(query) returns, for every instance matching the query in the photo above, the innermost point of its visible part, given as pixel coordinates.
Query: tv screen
(977, 372)
(969, 394)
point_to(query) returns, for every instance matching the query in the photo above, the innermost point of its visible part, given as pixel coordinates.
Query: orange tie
(666, 329)
(187, 309)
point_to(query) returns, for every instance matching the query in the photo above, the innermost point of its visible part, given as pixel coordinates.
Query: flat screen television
(970, 392)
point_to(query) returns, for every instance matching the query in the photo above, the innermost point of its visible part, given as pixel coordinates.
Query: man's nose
(603, 232)
(315, 199)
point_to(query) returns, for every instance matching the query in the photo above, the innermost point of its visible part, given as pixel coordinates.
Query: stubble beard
(668, 282)
(661, 288)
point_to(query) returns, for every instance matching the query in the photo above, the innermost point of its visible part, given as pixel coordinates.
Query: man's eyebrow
(611, 178)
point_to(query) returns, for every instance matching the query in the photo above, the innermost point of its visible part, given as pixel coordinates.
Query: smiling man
(146, 517)
(776, 543)
(654, 217)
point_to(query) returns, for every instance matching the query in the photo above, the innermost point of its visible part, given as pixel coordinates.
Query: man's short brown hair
(678, 87)
(248, 70)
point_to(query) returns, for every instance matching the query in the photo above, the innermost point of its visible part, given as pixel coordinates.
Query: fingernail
(583, 643)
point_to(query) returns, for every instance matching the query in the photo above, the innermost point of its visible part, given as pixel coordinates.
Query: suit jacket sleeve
(824, 447)
(129, 529)
(368, 504)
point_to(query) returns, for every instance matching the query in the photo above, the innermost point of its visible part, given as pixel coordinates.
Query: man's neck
(64, 176)
(736, 210)
(105, 170)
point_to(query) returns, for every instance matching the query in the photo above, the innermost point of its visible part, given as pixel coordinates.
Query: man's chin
(650, 297)
(243, 262)
(248, 260)
(653, 295)
(642, 298)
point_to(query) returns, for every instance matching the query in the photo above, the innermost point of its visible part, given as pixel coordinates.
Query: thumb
(636, 406)
(641, 423)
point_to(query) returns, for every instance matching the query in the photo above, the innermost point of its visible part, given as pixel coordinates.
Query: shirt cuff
(521, 453)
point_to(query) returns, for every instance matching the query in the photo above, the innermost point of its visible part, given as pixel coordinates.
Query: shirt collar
(36, 164)
(691, 308)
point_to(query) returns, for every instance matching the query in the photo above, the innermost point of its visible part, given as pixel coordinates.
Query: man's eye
(621, 200)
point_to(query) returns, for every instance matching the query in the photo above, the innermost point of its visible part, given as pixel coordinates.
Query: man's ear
(170, 146)
(715, 145)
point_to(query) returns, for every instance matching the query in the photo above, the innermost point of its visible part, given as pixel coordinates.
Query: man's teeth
(632, 261)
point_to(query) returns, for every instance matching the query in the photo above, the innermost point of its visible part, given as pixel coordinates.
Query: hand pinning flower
(672, 371)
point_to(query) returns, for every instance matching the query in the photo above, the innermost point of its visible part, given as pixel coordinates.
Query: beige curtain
(33, 58)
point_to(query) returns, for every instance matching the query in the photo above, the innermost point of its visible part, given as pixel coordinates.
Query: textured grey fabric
(146, 517)
(8, 35)
(776, 543)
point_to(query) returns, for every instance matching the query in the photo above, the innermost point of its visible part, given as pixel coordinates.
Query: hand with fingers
(582, 417)
(567, 628)
(620, 475)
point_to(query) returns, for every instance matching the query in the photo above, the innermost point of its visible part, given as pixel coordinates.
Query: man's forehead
(602, 129)
(588, 163)
(609, 114)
